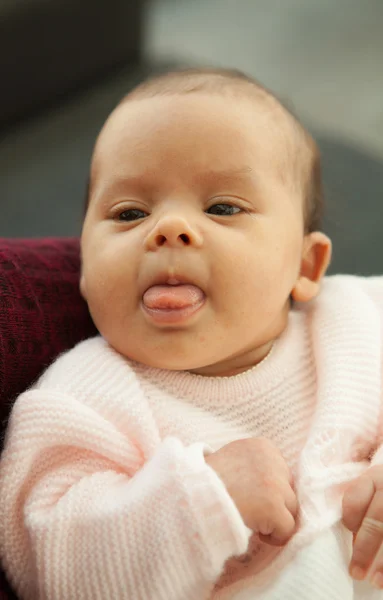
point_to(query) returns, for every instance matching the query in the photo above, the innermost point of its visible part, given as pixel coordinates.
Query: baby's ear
(82, 286)
(316, 256)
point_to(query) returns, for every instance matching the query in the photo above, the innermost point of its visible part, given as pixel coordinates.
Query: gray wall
(325, 58)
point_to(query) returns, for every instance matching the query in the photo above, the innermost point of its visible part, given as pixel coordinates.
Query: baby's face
(191, 190)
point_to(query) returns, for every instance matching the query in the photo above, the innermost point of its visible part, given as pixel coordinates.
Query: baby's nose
(173, 232)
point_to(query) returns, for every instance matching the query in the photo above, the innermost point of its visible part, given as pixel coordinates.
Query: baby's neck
(234, 365)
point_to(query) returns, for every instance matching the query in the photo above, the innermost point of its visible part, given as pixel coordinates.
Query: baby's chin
(170, 360)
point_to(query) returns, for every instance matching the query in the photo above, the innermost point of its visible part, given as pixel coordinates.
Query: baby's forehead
(266, 116)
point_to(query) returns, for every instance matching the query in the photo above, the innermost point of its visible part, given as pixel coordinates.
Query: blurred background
(64, 64)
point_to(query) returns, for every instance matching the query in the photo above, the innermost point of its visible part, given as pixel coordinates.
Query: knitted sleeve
(374, 287)
(83, 515)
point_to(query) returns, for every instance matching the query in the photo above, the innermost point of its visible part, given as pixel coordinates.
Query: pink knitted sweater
(105, 494)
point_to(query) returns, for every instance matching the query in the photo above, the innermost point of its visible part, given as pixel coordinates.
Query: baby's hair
(305, 156)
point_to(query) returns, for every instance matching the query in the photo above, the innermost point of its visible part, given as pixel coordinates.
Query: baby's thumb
(356, 501)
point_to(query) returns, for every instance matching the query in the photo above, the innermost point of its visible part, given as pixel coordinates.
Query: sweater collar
(286, 358)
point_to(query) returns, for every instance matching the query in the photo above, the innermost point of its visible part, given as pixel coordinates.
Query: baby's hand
(363, 515)
(259, 481)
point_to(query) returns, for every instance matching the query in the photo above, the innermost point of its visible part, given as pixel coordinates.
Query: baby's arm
(84, 516)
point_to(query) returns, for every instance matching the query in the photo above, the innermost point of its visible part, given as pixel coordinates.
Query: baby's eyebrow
(225, 175)
(135, 184)
(235, 172)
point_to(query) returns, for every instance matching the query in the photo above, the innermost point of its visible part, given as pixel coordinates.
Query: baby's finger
(376, 574)
(356, 501)
(291, 501)
(281, 528)
(368, 539)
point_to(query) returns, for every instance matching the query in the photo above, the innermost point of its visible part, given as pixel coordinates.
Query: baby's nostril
(185, 238)
(160, 240)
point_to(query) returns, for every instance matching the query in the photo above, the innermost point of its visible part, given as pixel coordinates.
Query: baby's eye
(132, 214)
(223, 210)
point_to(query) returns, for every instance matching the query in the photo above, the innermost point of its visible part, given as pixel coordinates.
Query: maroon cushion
(41, 310)
(41, 315)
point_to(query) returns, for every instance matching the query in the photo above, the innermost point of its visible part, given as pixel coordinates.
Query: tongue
(162, 297)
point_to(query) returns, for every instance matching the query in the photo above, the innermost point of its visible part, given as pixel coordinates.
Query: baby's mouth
(168, 303)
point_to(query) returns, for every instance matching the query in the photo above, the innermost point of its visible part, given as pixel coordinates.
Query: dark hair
(234, 82)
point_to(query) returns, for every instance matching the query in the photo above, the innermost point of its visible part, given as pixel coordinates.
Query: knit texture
(105, 493)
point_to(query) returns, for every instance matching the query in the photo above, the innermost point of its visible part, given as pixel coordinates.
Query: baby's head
(202, 223)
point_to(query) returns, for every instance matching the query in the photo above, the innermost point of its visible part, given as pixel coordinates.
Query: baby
(221, 438)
